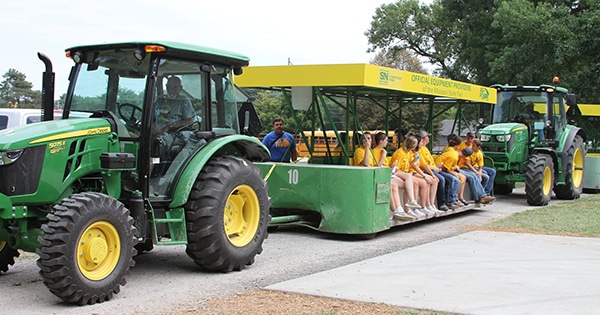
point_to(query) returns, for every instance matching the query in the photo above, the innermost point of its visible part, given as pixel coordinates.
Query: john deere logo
(384, 77)
(484, 93)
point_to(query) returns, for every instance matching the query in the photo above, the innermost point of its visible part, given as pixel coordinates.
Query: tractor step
(175, 221)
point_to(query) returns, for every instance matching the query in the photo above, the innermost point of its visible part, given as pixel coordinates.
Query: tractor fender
(569, 137)
(565, 144)
(237, 145)
(563, 147)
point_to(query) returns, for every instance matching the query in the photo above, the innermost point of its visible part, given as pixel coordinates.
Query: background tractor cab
(530, 140)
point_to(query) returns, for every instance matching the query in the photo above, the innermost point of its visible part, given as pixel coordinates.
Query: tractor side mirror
(571, 99)
(249, 122)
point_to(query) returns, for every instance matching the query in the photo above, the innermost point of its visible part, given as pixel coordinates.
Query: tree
(16, 92)
(413, 116)
(487, 42)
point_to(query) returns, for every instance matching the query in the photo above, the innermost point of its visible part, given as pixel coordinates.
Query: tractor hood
(504, 128)
(49, 131)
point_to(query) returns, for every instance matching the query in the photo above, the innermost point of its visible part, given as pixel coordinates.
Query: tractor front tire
(87, 248)
(227, 215)
(573, 171)
(7, 256)
(539, 179)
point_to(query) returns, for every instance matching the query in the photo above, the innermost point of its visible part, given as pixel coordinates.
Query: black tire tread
(207, 243)
(534, 179)
(57, 267)
(7, 257)
(568, 190)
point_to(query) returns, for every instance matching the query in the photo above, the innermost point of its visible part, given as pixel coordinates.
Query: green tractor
(530, 139)
(135, 162)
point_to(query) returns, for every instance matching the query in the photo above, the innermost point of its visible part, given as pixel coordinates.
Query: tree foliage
(509, 41)
(412, 117)
(270, 105)
(16, 91)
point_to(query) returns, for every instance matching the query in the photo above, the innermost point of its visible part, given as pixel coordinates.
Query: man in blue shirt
(281, 144)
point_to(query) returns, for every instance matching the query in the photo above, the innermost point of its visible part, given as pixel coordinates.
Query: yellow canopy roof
(377, 79)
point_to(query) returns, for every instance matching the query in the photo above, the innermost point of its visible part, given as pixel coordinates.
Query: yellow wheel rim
(547, 183)
(241, 215)
(98, 250)
(577, 168)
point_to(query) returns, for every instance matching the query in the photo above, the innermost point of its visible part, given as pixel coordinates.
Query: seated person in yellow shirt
(455, 181)
(402, 159)
(427, 164)
(363, 155)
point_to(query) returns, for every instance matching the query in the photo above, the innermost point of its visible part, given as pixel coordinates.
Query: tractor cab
(160, 104)
(541, 109)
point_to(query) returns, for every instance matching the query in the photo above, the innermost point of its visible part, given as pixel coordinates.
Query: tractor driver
(528, 114)
(173, 110)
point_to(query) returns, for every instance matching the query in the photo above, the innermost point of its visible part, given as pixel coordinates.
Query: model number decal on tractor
(57, 146)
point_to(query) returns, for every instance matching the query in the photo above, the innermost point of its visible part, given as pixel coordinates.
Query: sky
(269, 32)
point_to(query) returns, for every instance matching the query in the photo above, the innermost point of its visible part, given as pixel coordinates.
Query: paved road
(169, 278)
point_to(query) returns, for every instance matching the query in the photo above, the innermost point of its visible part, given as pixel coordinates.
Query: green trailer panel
(349, 200)
(591, 177)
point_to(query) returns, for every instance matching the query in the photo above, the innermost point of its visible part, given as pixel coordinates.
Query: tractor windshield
(512, 103)
(114, 81)
(529, 107)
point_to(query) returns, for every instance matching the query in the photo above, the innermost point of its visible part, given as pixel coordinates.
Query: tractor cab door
(194, 102)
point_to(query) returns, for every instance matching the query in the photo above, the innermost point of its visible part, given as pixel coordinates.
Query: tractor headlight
(485, 138)
(503, 138)
(10, 156)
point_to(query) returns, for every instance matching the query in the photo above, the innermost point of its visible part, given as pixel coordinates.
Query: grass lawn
(579, 217)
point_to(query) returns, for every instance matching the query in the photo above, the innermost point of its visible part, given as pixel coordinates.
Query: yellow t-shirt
(403, 158)
(426, 158)
(447, 148)
(476, 159)
(462, 163)
(449, 158)
(463, 145)
(359, 155)
(378, 152)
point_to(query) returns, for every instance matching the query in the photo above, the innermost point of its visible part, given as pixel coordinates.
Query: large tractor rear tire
(7, 256)
(574, 171)
(227, 215)
(539, 180)
(87, 248)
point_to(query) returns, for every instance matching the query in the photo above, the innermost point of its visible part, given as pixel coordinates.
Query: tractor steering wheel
(132, 115)
(519, 119)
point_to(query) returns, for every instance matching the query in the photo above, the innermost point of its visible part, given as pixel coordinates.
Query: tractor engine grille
(492, 148)
(23, 176)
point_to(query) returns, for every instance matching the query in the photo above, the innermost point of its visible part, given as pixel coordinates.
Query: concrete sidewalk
(474, 273)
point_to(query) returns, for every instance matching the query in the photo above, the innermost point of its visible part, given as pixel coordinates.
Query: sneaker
(412, 214)
(443, 208)
(426, 211)
(413, 205)
(453, 207)
(435, 210)
(419, 213)
(401, 215)
(459, 204)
